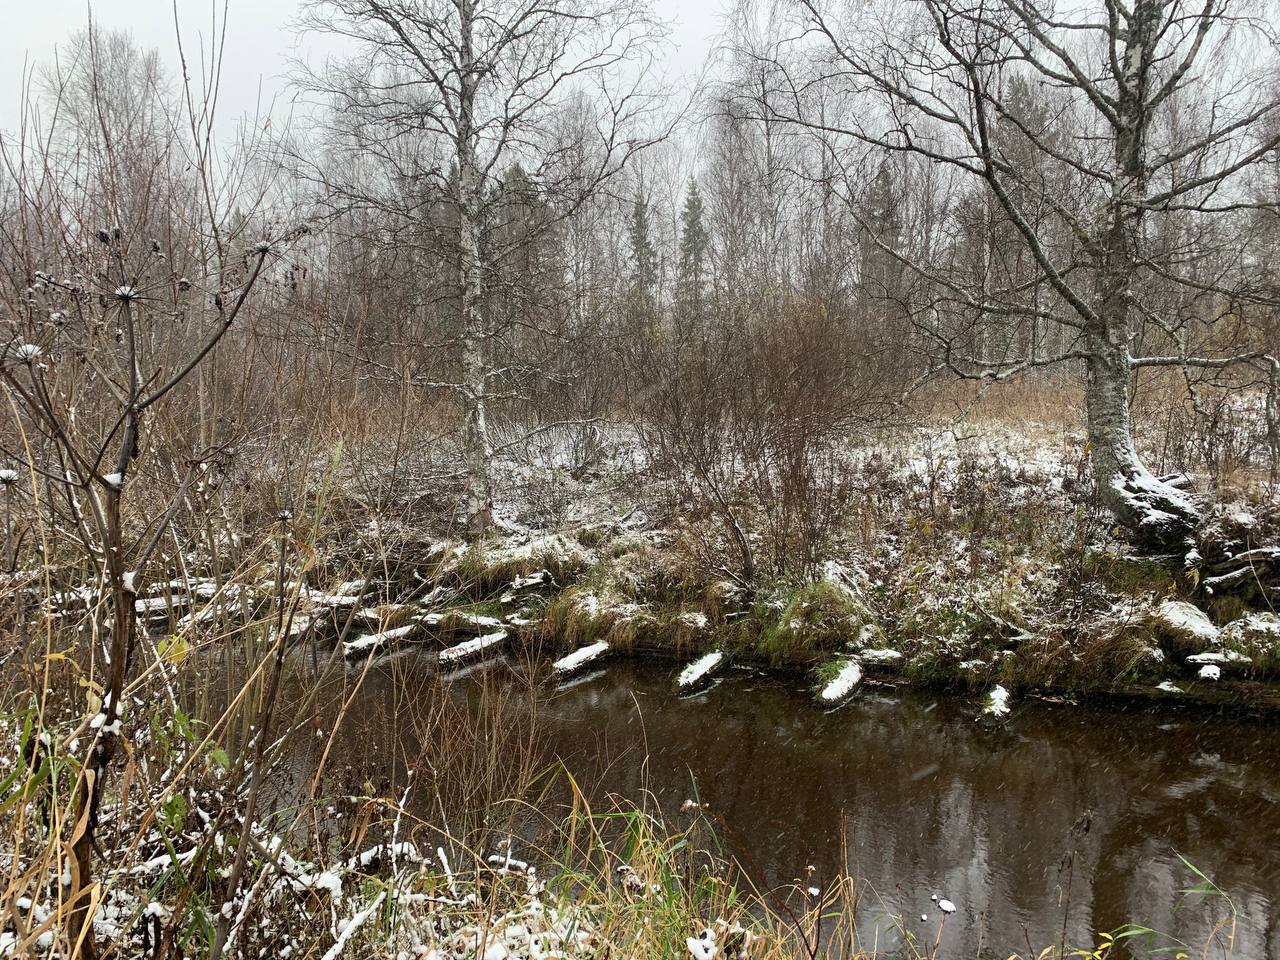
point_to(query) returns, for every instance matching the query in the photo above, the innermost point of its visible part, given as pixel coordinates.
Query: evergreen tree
(643, 257)
(694, 244)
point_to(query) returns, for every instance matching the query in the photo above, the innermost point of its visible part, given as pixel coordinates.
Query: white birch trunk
(477, 445)
(1155, 511)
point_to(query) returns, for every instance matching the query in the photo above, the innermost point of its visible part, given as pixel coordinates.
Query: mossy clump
(581, 615)
(817, 618)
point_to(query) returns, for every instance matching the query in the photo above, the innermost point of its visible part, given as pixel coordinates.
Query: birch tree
(441, 101)
(1171, 108)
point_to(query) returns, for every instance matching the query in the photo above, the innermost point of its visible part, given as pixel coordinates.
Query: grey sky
(259, 41)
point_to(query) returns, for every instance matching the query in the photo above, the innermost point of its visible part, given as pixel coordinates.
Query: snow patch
(1186, 622)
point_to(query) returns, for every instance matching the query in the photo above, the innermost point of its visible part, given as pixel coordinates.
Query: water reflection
(1063, 820)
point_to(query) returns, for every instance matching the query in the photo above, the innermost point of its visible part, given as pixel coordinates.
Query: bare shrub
(748, 423)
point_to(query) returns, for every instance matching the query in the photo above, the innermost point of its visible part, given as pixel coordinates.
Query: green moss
(828, 670)
(580, 615)
(1129, 576)
(817, 618)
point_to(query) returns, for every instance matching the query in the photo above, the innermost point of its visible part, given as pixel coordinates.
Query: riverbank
(982, 567)
(958, 565)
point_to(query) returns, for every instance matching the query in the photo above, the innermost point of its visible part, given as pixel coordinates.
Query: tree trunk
(476, 442)
(1155, 512)
(475, 371)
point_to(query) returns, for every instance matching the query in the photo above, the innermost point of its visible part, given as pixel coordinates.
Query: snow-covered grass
(815, 618)
(617, 883)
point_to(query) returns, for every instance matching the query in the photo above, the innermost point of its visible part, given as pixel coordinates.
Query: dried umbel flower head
(126, 293)
(28, 353)
(8, 477)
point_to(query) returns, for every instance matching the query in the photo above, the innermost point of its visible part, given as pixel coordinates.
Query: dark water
(1063, 814)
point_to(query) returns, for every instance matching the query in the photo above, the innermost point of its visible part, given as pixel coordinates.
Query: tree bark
(475, 371)
(1154, 511)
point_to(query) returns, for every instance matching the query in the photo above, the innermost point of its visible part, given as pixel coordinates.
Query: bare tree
(443, 101)
(1170, 109)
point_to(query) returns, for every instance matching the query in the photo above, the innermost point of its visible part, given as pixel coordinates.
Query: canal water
(1059, 822)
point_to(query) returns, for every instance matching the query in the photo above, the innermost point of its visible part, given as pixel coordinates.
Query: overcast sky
(259, 41)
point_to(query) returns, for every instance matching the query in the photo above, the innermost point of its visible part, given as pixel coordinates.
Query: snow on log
(1225, 658)
(333, 600)
(700, 670)
(539, 579)
(460, 621)
(476, 620)
(374, 642)
(1213, 664)
(997, 704)
(1185, 623)
(573, 662)
(472, 649)
(1168, 686)
(842, 685)
(157, 606)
